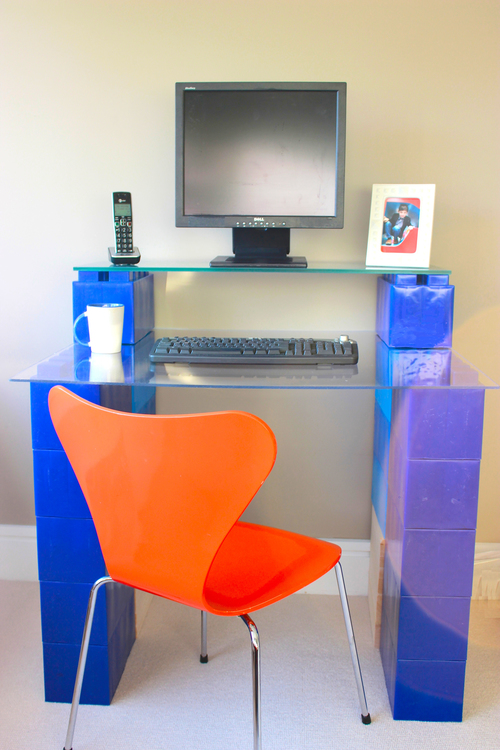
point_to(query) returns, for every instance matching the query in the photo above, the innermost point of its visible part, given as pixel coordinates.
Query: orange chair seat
(258, 565)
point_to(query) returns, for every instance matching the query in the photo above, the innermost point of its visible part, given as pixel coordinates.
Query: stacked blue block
(405, 368)
(435, 453)
(134, 289)
(415, 310)
(69, 562)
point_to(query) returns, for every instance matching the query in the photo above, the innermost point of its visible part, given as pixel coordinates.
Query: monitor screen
(260, 155)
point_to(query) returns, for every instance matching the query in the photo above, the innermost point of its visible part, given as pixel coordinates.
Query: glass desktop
(379, 366)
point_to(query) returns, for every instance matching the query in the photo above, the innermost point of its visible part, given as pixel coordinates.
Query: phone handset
(123, 252)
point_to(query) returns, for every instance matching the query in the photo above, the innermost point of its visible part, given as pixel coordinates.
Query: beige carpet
(168, 701)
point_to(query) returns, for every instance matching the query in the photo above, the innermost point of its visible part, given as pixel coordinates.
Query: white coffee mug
(105, 321)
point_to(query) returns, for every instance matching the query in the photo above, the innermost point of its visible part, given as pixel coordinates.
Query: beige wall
(88, 89)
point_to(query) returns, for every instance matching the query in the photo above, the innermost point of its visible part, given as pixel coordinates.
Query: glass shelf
(315, 266)
(378, 367)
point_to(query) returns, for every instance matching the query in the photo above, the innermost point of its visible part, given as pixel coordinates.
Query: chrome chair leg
(83, 659)
(203, 652)
(255, 643)
(365, 716)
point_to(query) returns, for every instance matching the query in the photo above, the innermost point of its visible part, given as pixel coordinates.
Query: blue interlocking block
(415, 311)
(60, 661)
(434, 494)
(57, 492)
(429, 690)
(68, 550)
(134, 290)
(43, 435)
(64, 605)
(433, 628)
(413, 367)
(103, 670)
(439, 424)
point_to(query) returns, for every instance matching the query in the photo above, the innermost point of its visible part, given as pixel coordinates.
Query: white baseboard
(486, 583)
(355, 563)
(18, 562)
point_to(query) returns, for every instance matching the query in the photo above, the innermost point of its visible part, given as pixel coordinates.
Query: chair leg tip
(204, 659)
(366, 719)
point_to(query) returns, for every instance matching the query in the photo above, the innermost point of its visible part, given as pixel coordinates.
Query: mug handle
(83, 343)
(77, 367)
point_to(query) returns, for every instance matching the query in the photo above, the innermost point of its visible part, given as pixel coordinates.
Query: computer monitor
(261, 159)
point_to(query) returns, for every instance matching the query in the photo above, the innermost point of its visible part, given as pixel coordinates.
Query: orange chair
(165, 494)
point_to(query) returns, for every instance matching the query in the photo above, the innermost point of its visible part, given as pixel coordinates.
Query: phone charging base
(124, 259)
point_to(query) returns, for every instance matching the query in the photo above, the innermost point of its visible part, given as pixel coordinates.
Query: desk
(429, 413)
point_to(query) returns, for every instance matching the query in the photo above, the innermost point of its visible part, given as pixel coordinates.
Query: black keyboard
(254, 351)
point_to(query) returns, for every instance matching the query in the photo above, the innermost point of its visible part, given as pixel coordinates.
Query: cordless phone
(124, 252)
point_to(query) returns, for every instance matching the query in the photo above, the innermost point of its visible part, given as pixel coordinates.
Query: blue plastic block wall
(133, 289)
(415, 310)
(434, 457)
(70, 561)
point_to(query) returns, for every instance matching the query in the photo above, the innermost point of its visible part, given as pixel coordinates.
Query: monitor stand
(260, 248)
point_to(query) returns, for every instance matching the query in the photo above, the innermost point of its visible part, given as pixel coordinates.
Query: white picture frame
(400, 229)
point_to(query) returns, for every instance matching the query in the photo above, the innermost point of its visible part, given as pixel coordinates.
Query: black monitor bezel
(232, 221)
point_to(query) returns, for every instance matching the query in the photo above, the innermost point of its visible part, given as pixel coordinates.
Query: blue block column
(69, 554)
(69, 562)
(430, 484)
(435, 452)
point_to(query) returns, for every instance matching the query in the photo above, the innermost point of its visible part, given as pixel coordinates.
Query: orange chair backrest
(163, 490)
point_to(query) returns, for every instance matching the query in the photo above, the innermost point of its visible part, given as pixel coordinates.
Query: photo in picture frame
(400, 229)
